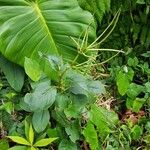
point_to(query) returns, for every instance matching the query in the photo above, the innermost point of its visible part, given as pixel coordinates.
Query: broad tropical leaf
(29, 26)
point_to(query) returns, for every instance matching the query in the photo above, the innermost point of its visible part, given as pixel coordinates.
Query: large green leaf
(29, 26)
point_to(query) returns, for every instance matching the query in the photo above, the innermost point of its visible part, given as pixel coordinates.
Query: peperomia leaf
(42, 97)
(27, 27)
(40, 120)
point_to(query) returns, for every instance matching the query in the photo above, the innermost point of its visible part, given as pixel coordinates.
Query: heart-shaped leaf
(29, 26)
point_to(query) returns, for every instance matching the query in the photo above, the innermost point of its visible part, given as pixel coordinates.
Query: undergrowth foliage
(97, 7)
(74, 90)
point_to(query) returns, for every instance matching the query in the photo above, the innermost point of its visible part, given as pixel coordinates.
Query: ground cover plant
(74, 75)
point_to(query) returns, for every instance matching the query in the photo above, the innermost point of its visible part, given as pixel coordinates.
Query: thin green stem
(110, 50)
(107, 59)
(108, 33)
(91, 45)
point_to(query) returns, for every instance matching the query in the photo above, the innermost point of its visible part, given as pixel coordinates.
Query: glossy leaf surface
(27, 27)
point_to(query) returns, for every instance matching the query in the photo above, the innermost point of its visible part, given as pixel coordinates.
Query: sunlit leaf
(27, 27)
(19, 140)
(90, 135)
(44, 142)
(31, 134)
(32, 69)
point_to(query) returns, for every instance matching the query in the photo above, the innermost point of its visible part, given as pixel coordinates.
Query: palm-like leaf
(29, 26)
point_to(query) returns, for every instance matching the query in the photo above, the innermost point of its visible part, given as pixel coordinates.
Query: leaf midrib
(42, 19)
